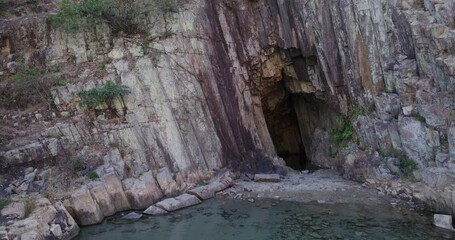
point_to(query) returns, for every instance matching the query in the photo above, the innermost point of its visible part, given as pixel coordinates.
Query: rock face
(347, 85)
(45, 220)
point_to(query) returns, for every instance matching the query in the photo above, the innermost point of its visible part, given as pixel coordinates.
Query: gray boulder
(208, 191)
(182, 201)
(155, 211)
(443, 221)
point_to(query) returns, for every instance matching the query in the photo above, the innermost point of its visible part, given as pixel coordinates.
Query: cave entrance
(283, 126)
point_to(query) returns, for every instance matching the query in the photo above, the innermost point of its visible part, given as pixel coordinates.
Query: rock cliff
(361, 86)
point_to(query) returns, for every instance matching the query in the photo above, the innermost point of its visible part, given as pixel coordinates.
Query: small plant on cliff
(344, 132)
(4, 202)
(28, 86)
(92, 175)
(105, 95)
(407, 166)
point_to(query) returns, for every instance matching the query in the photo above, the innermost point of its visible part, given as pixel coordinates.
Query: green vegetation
(129, 17)
(331, 153)
(2, 5)
(356, 111)
(92, 175)
(407, 166)
(29, 206)
(77, 164)
(200, 183)
(28, 86)
(344, 132)
(4, 202)
(419, 117)
(104, 95)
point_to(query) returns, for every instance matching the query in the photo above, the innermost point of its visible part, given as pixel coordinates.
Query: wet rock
(133, 216)
(267, 178)
(182, 201)
(155, 211)
(443, 221)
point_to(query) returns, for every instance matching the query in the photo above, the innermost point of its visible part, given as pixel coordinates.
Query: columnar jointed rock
(83, 208)
(115, 189)
(142, 192)
(209, 191)
(182, 201)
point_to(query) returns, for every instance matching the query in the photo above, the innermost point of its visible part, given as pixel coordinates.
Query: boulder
(155, 211)
(182, 201)
(443, 221)
(209, 191)
(267, 178)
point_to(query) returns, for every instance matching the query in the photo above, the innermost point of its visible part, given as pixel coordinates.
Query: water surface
(273, 220)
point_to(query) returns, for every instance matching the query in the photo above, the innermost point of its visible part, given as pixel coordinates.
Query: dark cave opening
(283, 126)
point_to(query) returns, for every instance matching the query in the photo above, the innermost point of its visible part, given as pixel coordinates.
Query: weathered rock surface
(179, 202)
(142, 192)
(83, 208)
(238, 83)
(208, 191)
(44, 221)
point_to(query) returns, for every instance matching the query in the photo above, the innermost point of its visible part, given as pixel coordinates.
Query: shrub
(129, 17)
(407, 166)
(104, 95)
(28, 86)
(344, 132)
(4, 202)
(77, 164)
(92, 175)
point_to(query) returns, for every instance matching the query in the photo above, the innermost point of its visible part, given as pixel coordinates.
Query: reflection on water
(272, 220)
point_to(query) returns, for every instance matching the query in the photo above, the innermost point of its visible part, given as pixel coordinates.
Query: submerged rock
(132, 216)
(443, 221)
